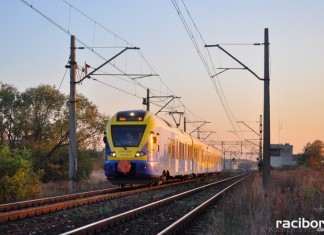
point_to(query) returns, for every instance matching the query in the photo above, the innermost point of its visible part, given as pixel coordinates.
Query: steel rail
(111, 221)
(47, 200)
(44, 209)
(178, 226)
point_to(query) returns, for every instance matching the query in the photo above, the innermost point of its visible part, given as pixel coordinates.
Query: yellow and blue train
(143, 148)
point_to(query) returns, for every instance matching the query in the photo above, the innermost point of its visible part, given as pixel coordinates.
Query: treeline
(313, 155)
(34, 137)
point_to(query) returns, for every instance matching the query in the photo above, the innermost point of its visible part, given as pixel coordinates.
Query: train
(141, 148)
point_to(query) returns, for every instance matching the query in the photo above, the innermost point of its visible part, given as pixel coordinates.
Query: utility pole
(198, 128)
(259, 134)
(266, 112)
(260, 139)
(266, 104)
(148, 100)
(73, 154)
(223, 150)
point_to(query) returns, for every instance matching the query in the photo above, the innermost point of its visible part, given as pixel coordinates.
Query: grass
(97, 181)
(249, 209)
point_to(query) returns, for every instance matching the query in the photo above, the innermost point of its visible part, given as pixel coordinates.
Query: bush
(87, 161)
(18, 180)
(56, 167)
(292, 194)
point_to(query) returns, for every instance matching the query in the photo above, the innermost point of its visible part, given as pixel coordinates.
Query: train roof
(142, 115)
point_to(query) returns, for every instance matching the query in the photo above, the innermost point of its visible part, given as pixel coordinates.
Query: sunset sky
(35, 51)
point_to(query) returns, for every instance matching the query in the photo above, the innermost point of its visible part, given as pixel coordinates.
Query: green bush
(18, 180)
(87, 161)
(56, 167)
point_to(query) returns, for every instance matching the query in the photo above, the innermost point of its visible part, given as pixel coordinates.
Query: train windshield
(127, 135)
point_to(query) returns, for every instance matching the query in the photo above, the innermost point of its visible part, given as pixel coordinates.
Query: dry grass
(292, 194)
(96, 181)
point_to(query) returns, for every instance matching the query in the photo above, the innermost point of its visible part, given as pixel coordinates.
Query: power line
(116, 88)
(119, 37)
(68, 32)
(108, 30)
(63, 78)
(219, 91)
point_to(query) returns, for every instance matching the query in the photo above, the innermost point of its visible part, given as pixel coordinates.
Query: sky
(35, 51)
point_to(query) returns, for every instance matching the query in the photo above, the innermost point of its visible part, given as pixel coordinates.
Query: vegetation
(39, 119)
(18, 180)
(292, 194)
(36, 122)
(313, 155)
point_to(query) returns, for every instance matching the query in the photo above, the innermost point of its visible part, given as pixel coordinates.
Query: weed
(292, 194)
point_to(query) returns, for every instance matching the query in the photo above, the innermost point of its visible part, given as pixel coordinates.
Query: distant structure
(231, 164)
(240, 164)
(281, 156)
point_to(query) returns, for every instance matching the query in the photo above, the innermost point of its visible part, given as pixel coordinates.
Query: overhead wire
(219, 91)
(68, 32)
(222, 94)
(169, 91)
(116, 36)
(62, 79)
(77, 39)
(122, 39)
(116, 88)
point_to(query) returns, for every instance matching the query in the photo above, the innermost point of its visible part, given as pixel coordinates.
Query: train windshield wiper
(121, 143)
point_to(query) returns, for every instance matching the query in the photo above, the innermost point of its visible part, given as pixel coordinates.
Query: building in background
(231, 164)
(235, 164)
(281, 156)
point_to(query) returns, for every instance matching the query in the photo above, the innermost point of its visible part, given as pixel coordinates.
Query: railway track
(25, 209)
(43, 201)
(20, 210)
(166, 216)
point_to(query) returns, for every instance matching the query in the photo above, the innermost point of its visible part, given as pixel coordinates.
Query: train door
(185, 158)
(195, 159)
(154, 146)
(176, 158)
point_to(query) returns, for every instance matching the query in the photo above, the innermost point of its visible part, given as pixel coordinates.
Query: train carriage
(141, 148)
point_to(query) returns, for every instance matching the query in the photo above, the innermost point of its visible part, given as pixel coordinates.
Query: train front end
(126, 147)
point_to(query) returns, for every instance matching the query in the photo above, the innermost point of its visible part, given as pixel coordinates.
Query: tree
(313, 155)
(11, 113)
(90, 123)
(18, 180)
(44, 105)
(38, 119)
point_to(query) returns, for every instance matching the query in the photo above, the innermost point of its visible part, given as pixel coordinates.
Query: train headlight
(143, 167)
(112, 154)
(139, 154)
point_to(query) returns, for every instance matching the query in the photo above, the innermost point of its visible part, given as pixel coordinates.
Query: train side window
(195, 153)
(190, 152)
(182, 150)
(171, 147)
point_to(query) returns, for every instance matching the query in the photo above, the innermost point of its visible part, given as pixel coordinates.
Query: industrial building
(281, 156)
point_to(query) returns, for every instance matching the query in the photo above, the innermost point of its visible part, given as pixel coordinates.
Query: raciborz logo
(301, 223)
